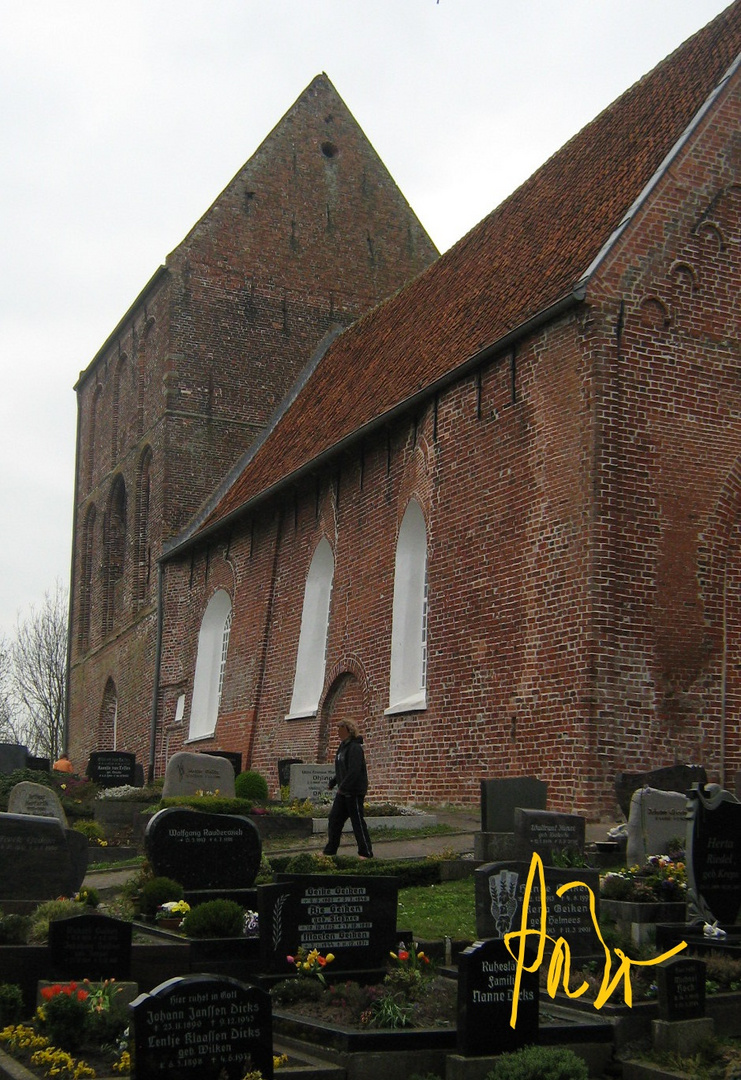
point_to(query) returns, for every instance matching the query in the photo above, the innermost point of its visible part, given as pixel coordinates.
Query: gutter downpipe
(72, 583)
(724, 678)
(157, 670)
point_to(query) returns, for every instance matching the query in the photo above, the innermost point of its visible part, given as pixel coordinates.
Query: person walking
(351, 781)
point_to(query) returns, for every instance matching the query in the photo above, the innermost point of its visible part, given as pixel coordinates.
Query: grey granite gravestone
(655, 818)
(486, 983)
(714, 855)
(500, 797)
(499, 890)
(672, 778)
(90, 946)
(40, 859)
(547, 833)
(353, 917)
(36, 800)
(204, 851)
(188, 773)
(111, 768)
(12, 757)
(202, 1027)
(310, 782)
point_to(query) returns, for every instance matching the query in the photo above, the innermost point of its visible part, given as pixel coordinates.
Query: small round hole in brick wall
(329, 149)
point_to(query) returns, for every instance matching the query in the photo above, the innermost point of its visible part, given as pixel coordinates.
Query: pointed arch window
(312, 642)
(408, 679)
(208, 682)
(108, 719)
(114, 550)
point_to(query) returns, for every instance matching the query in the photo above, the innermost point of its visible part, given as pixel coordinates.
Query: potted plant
(170, 915)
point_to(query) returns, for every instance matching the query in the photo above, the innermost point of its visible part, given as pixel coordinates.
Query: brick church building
(494, 518)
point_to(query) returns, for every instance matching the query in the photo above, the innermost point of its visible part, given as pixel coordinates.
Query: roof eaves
(640, 201)
(496, 349)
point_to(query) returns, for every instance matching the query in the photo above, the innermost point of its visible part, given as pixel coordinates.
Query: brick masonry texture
(580, 485)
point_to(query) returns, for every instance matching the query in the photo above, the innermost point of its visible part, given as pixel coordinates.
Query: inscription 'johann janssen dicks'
(560, 963)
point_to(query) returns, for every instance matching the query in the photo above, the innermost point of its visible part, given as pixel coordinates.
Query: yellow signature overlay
(560, 963)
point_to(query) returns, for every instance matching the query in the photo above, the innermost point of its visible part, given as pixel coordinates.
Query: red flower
(403, 955)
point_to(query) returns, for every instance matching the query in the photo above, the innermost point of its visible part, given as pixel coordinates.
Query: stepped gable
(526, 256)
(315, 192)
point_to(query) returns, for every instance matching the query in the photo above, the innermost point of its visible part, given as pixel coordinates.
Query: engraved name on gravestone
(204, 851)
(547, 834)
(188, 773)
(655, 818)
(40, 858)
(311, 782)
(90, 946)
(499, 798)
(672, 778)
(499, 890)
(111, 768)
(486, 981)
(12, 757)
(714, 855)
(36, 800)
(353, 917)
(681, 989)
(202, 1027)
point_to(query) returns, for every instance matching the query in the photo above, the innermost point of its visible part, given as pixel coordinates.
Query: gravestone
(111, 768)
(188, 773)
(500, 892)
(353, 917)
(655, 818)
(233, 757)
(311, 782)
(192, 1028)
(500, 796)
(284, 770)
(204, 851)
(40, 859)
(38, 764)
(88, 946)
(12, 757)
(36, 800)
(672, 778)
(681, 989)
(714, 856)
(547, 833)
(486, 982)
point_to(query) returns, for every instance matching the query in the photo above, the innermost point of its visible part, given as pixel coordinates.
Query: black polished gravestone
(40, 859)
(112, 768)
(284, 770)
(89, 946)
(38, 764)
(204, 851)
(232, 756)
(352, 917)
(12, 757)
(672, 778)
(714, 855)
(202, 1027)
(499, 890)
(486, 983)
(499, 798)
(681, 989)
(547, 833)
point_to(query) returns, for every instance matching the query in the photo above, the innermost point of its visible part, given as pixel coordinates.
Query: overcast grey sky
(120, 123)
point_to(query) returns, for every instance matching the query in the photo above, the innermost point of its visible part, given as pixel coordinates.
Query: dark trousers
(344, 807)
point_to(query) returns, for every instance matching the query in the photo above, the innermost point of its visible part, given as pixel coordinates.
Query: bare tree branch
(38, 674)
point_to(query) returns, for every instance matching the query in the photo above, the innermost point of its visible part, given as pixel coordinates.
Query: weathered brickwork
(308, 235)
(582, 497)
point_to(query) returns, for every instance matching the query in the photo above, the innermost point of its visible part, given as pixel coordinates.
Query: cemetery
(230, 951)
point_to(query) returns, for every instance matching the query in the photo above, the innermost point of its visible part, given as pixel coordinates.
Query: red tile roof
(525, 256)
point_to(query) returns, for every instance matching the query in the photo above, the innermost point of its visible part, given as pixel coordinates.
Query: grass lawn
(433, 912)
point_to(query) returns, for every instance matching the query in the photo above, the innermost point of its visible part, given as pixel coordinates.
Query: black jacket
(350, 772)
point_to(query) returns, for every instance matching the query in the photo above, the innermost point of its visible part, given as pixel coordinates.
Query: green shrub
(210, 804)
(11, 1004)
(13, 929)
(215, 919)
(88, 896)
(289, 991)
(156, 891)
(8, 782)
(540, 1063)
(251, 785)
(65, 1020)
(92, 830)
(38, 931)
(265, 873)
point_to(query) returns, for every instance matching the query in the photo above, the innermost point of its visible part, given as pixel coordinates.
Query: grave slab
(671, 778)
(187, 773)
(40, 859)
(486, 982)
(36, 800)
(547, 833)
(311, 782)
(501, 795)
(204, 851)
(12, 757)
(655, 818)
(90, 946)
(714, 855)
(112, 768)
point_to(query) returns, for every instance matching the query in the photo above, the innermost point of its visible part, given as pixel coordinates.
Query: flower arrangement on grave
(410, 967)
(662, 879)
(172, 909)
(311, 964)
(251, 923)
